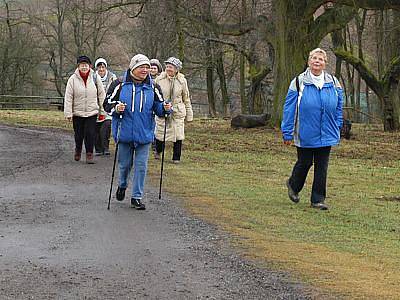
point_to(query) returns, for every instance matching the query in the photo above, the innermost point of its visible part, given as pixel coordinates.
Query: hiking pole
(162, 156)
(115, 159)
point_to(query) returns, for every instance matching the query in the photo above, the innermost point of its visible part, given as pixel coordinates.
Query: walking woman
(133, 104)
(82, 104)
(103, 124)
(312, 118)
(175, 89)
(155, 68)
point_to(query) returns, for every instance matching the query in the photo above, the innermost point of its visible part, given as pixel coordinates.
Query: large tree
(295, 28)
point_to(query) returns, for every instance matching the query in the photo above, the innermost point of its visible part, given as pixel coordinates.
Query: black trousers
(177, 152)
(305, 159)
(102, 136)
(84, 129)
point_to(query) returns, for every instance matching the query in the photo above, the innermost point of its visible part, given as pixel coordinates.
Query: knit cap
(175, 62)
(139, 60)
(156, 62)
(100, 60)
(83, 59)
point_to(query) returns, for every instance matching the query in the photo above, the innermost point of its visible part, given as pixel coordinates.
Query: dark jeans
(177, 149)
(305, 159)
(102, 137)
(84, 128)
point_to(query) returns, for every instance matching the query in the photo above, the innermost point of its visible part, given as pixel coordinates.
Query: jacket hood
(307, 79)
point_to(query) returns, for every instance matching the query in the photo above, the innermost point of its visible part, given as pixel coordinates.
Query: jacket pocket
(179, 110)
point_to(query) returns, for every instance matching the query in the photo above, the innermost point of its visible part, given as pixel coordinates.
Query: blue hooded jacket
(312, 117)
(142, 101)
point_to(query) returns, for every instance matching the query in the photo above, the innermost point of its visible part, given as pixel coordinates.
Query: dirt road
(58, 241)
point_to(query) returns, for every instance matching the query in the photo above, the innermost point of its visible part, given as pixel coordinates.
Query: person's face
(317, 63)
(171, 70)
(101, 69)
(84, 67)
(153, 70)
(140, 73)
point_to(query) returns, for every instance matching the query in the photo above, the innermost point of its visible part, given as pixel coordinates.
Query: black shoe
(291, 193)
(120, 194)
(320, 205)
(136, 203)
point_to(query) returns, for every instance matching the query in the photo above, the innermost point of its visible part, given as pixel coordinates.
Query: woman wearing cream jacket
(82, 105)
(175, 89)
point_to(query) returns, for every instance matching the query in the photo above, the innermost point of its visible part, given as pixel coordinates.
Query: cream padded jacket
(81, 100)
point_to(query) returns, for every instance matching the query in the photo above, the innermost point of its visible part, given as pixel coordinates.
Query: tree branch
(313, 5)
(332, 19)
(225, 42)
(121, 4)
(393, 71)
(370, 4)
(374, 83)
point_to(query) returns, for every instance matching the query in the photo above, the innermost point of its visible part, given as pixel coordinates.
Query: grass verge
(235, 179)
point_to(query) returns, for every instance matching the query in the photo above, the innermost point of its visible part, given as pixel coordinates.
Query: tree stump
(249, 121)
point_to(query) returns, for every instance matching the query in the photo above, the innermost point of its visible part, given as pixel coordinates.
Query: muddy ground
(58, 240)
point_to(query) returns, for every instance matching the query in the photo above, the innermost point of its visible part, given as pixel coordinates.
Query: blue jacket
(142, 101)
(312, 117)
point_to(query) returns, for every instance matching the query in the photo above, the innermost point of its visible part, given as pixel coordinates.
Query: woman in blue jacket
(312, 118)
(135, 100)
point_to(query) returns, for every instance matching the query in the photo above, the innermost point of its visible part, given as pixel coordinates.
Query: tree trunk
(222, 82)
(289, 35)
(249, 121)
(367, 100)
(390, 113)
(210, 81)
(242, 86)
(209, 57)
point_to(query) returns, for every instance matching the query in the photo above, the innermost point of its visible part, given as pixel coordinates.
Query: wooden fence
(31, 102)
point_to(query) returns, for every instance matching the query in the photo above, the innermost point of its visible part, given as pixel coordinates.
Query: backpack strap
(300, 88)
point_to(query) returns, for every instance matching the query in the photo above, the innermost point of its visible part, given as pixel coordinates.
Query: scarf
(84, 76)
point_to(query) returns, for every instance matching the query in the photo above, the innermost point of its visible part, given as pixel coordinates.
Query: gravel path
(58, 241)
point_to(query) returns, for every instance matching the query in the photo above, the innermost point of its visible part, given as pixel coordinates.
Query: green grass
(235, 179)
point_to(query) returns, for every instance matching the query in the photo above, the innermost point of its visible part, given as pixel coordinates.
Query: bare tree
(19, 53)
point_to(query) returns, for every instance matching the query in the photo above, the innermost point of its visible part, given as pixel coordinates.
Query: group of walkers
(97, 102)
(148, 105)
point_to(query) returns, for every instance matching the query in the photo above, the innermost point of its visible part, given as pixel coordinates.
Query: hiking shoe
(137, 204)
(292, 194)
(77, 155)
(89, 158)
(320, 205)
(120, 194)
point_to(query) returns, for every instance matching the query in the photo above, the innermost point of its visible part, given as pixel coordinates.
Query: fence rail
(31, 102)
(57, 103)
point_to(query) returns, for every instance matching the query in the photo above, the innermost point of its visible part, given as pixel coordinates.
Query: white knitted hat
(139, 60)
(100, 60)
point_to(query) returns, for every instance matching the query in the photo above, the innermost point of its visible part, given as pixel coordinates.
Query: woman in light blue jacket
(312, 118)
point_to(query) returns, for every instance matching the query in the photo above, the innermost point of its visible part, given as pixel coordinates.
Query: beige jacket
(81, 100)
(176, 90)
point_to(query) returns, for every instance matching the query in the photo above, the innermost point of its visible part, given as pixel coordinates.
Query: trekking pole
(115, 159)
(162, 156)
